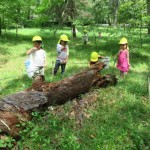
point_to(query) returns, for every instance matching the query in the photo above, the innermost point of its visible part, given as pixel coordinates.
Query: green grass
(121, 117)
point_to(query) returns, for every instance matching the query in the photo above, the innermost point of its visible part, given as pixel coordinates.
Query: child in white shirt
(63, 53)
(39, 58)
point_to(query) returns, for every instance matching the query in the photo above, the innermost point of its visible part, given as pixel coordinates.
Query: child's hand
(31, 50)
(34, 49)
(64, 49)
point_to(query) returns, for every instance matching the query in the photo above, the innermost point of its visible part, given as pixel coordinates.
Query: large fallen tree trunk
(17, 108)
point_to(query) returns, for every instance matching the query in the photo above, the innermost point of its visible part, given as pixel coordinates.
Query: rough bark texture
(17, 108)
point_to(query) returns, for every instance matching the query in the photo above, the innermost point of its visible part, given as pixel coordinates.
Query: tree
(148, 13)
(131, 12)
(106, 11)
(14, 13)
(114, 7)
(70, 12)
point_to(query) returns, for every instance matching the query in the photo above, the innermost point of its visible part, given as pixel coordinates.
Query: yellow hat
(123, 41)
(94, 56)
(36, 38)
(85, 31)
(63, 37)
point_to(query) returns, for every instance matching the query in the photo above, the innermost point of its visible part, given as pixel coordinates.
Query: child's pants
(57, 65)
(38, 71)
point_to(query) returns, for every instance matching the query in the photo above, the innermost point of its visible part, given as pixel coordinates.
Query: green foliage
(45, 137)
(101, 11)
(7, 142)
(131, 12)
(49, 13)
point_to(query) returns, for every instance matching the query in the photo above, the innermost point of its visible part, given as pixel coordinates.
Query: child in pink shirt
(123, 62)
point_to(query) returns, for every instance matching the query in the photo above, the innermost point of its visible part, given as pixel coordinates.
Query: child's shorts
(38, 71)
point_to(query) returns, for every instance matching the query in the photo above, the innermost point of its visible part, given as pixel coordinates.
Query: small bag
(106, 61)
(29, 66)
(63, 61)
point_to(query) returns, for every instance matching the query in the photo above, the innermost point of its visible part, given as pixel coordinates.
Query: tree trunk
(116, 12)
(74, 31)
(73, 17)
(17, 108)
(148, 13)
(0, 26)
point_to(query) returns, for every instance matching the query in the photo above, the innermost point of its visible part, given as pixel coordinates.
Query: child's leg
(36, 71)
(121, 74)
(63, 68)
(57, 64)
(39, 74)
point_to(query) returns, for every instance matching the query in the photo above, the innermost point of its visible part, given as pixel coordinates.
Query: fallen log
(17, 108)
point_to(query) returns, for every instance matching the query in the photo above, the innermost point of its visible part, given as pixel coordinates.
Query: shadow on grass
(132, 119)
(11, 39)
(137, 57)
(4, 51)
(137, 86)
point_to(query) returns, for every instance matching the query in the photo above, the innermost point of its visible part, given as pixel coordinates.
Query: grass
(121, 117)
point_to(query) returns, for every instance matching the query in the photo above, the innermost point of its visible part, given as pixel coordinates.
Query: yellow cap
(123, 41)
(63, 37)
(94, 56)
(36, 38)
(85, 31)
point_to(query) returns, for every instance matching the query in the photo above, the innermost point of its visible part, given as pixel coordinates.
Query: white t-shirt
(62, 55)
(39, 57)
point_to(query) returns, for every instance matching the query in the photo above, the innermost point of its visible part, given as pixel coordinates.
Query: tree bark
(148, 13)
(73, 17)
(0, 26)
(17, 108)
(116, 5)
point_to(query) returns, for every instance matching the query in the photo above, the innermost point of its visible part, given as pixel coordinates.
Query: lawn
(119, 116)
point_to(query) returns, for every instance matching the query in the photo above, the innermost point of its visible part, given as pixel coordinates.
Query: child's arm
(31, 50)
(128, 59)
(60, 48)
(101, 57)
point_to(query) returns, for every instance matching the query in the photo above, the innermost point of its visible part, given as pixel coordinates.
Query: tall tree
(148, 12)
(13, 13)
(131, 12)
(106, 11)
(115, 7)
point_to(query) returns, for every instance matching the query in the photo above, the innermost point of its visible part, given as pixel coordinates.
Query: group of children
(39, 56)
(123, 62)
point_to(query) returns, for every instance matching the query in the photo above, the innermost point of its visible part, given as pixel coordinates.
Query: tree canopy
(45, 13)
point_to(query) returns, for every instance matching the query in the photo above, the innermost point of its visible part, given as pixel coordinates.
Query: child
(99, 34)
(95, 57)
(85, 37)
(63, 53)
(39, 58)
(123, 63)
